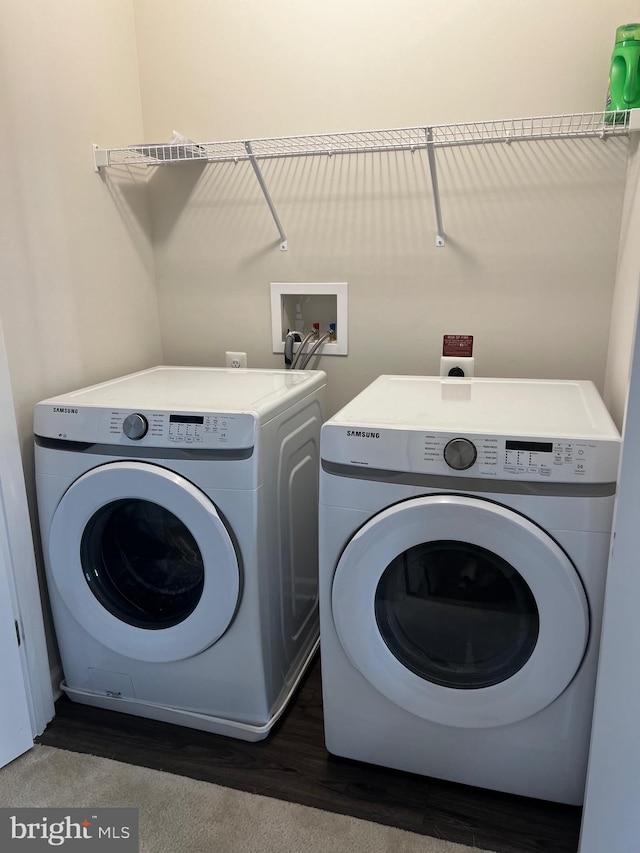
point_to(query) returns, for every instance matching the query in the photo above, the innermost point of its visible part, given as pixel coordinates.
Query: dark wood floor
(293, 764)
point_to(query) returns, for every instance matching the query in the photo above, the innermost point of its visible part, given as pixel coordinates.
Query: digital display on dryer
(531, 446)
(186, 419)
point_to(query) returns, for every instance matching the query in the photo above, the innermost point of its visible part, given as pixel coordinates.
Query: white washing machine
(464, 540)
(178, 513)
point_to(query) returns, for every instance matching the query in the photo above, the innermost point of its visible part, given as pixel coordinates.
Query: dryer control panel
(512, 458)
(560, 460)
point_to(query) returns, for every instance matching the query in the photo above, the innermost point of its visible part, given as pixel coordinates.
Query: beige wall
(228, 69)
(77, 299)
(532, 229)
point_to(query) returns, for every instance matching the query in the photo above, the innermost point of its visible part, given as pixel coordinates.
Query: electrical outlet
(236, 359)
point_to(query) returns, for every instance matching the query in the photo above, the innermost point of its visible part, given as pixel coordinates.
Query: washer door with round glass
(460, 611)
(144, 562)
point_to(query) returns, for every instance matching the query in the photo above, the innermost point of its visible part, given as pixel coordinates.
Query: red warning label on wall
(457, 345)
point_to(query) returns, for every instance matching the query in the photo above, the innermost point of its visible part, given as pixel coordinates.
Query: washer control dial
(460, 453)
(135, 426)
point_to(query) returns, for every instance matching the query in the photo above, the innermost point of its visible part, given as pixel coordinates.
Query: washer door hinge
(17, 632)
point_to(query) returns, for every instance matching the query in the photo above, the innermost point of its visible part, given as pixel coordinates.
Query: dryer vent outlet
(456, 367)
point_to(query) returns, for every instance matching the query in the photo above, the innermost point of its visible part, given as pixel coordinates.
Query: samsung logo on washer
(361, 433)
(61, 410)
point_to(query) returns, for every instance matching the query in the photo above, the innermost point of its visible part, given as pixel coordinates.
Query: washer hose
(317, 344)
(298, 355)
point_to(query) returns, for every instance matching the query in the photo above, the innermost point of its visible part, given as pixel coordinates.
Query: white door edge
(19, 573)
(16, 735)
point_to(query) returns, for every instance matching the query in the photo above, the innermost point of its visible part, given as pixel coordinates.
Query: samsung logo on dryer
(362, 433)
(63, 410)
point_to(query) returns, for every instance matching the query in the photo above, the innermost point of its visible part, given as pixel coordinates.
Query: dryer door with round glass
(460, 611)
(144, 561)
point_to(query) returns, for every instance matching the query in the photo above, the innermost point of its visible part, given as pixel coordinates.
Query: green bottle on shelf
(624, 75)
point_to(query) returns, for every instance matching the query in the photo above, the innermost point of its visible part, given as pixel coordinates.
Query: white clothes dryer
(464, 540)
(178, 513)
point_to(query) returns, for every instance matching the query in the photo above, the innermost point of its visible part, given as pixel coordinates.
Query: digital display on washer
(531, 446)
(186, 419)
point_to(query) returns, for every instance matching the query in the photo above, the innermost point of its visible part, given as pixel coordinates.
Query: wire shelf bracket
(600, 125)
(274, 213)
(431, 152)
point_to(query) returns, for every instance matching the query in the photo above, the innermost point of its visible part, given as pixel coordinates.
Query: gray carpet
(187, 816)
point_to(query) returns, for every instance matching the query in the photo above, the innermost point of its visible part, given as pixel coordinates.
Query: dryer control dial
(135, 426)
(460, 453)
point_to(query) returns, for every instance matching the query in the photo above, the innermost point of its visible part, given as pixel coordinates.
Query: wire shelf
(597, 124)
(429, 137)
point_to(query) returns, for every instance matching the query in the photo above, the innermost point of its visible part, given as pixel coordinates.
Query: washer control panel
(171, 429)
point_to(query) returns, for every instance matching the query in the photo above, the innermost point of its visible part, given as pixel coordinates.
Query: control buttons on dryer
(135, 426)
(460, 453)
